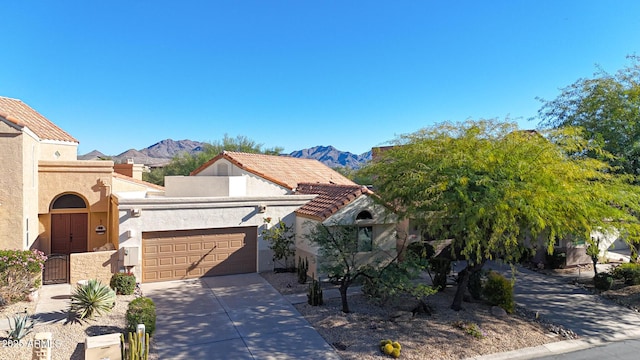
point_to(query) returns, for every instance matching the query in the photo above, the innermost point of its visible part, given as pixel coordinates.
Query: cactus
(314, 296)
(303, 268)
(135, 350)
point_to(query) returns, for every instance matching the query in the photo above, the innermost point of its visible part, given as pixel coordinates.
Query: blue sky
(352, 74)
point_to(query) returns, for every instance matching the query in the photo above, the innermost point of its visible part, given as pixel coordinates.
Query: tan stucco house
(94, 218)
(211, 223)
(52, 202)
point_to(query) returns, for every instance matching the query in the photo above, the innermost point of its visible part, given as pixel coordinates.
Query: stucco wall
(256, 186)
(91, 180)
(58, 151)
(11, 188)
(31, 154)
(383, 226)
(205, 186)
(163, 214)
(93, 265)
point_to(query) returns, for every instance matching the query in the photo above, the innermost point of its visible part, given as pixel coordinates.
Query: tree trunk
(462, 284)
(344, 286)
(634, 252)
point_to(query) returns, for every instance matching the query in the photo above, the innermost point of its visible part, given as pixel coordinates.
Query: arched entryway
(69, 224)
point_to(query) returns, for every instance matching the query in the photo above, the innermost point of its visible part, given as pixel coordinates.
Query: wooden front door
(69, 233)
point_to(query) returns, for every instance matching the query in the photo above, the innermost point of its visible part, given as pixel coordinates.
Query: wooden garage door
(185, 254)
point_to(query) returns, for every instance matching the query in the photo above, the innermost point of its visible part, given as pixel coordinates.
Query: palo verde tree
(342, 258)
(185, 163)
(607, 107)
(489, 187)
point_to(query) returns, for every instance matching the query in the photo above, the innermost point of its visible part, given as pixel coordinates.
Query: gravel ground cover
(444, 334)
(67, 337)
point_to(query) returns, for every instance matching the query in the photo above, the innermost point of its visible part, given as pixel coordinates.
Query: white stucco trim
(59, 142)
(161, 203)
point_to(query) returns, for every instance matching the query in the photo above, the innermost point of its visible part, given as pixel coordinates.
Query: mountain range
(162, 152)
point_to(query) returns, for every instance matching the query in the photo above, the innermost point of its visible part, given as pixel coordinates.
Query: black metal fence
(56, 269)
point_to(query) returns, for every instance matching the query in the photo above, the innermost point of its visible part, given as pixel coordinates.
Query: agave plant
(92, 298)
(22, 325)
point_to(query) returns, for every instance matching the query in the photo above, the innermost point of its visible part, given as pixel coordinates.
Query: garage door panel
(185, 254)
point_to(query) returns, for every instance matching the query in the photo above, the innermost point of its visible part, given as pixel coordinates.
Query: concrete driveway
(230, 317)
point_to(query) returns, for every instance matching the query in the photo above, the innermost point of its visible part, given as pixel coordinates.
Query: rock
(401, 316)
(340, 346)
(498, 312)
(33, 296)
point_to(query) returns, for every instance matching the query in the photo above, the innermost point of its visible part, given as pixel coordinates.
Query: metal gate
(56, 269)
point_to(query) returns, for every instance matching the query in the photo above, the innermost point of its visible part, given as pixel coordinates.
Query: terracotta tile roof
(330, 199)
(140, 182)
(22, 115)
(285, 171)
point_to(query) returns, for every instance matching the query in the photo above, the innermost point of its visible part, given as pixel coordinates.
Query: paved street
(622, 350)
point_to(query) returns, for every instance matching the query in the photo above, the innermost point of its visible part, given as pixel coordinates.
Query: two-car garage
(185, 254)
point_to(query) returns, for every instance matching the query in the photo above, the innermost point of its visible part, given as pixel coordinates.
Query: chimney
(129, 169)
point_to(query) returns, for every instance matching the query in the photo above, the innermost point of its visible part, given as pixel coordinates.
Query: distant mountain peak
(163, 151)
(333, 157)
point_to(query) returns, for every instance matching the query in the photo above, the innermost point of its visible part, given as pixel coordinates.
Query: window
(365, 238)
(364, 215)
(69, 201)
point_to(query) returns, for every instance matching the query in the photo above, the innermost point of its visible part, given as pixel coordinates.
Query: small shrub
(441, 267)
(498, 290)
(603, 281)
(470, 328)
(21, 326)
(629, 272)
(141, 310)
(556, 260)
(20, 273)
(123, 283)
(91, 299)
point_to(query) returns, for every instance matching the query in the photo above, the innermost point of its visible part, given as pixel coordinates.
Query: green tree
(354, 175)
(489, 187)
(185, 163)
(337, 249)
(607, 107)
(281, 241)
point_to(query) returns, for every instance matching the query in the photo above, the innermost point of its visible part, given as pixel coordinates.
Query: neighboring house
(94, 218)
(345, 205)
(49, 200)
(211, 223)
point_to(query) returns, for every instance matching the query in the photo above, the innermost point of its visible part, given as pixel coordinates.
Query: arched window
(69, 201)
(364, 215)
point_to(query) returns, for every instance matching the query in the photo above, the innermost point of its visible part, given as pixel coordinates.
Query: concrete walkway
(231, 317)
(52, 305)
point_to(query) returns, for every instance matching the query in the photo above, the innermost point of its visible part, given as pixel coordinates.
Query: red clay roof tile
(330, 199)
(22, 115)
(286, 171)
